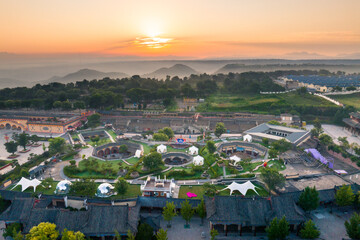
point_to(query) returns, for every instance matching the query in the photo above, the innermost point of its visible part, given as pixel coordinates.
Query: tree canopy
(153, 160)
(353, 226)
(344, 196)
(278, 229)
(272, 178)
(44, 230)
(309, 231)
(219, 129)
(186, 211)
(309, 199)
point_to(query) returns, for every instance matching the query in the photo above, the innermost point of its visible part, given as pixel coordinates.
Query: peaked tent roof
(193, 148)
(26, 183)
(242, 188)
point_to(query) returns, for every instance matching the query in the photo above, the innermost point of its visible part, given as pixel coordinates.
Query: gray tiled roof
(294, 135)
(252, 212)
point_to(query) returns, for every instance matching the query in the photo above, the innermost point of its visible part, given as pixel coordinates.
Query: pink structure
(191, 195)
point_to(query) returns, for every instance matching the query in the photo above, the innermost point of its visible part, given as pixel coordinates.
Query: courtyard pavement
(23, 158)
(178, 232)
(331, 225)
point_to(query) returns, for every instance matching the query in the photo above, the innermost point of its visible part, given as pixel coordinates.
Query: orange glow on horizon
(199, 29)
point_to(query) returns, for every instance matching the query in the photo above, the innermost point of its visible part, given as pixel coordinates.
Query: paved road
(336, 131)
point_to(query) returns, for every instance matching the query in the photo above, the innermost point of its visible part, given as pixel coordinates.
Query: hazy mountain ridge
(240, 67)
(179, 70)
(88, 74)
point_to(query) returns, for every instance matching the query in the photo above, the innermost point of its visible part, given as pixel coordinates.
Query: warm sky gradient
(188, 28)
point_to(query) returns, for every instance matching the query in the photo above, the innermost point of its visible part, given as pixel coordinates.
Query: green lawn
(278, 165)
(171, 149)
(199, 191)
(87, 174)
(112, 133)
(68, 158)
(133, 160)
(145, 146)
(259, 103)
(4, 162)
(74, 136)
(100, 143)
(350, 99)
(197, 174)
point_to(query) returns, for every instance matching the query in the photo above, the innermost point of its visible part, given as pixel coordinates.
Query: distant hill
(179, 70)
(11, 83)
(88, 74)
(239, 67)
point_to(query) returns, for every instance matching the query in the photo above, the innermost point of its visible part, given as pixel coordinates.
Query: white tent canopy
(236, 159)
(242, 188)
(26, 183)
(161, 148)
(138, 153)
(247, 138)
(193, 150)
(198, 160)
(105, 188)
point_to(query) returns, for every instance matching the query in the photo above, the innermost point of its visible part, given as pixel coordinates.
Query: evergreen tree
(169, 212)
(121, 186)
(186, 211)
(278, 229)
(272, 178)
(201, 211)
(344, 196)
(213, 234)
(353, 226)
(210, 145)
(219, 129)
(309, 199)
(309, 231)
(11, 147)
(161, 235)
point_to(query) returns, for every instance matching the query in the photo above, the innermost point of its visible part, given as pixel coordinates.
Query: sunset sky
(186, 28)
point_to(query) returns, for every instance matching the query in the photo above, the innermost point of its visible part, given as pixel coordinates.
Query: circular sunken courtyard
(113, 150)
(177, 158)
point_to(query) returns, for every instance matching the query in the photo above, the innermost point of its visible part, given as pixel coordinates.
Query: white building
(198, 160)
(247, 138)
(138, 153)
(193, 150)
(157, 187)
(161, 148)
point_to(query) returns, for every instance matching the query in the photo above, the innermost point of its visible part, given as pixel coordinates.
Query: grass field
(88, 174)
(171, 149)
(112, 133)
(259, 103)
(199, 191)
(350, 99)
(100, 143)
(145, 146)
